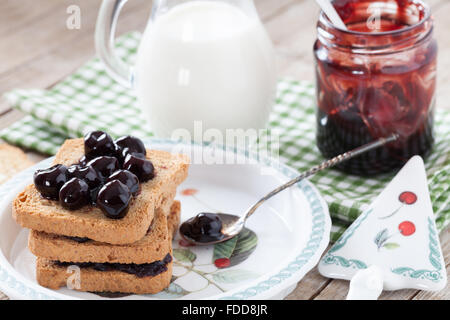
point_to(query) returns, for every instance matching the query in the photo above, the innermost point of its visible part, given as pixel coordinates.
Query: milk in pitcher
(205, 61)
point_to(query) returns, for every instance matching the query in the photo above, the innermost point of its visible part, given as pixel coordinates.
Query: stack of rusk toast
(128, 255)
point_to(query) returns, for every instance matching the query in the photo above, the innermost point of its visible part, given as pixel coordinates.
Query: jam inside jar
(375, 79)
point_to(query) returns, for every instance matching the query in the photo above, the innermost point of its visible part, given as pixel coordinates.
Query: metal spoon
(232, 224)
(331, 13)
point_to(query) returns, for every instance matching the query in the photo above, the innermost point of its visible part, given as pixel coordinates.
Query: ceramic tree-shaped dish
(393, 244)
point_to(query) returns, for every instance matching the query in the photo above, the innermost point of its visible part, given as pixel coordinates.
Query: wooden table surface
(37, 50)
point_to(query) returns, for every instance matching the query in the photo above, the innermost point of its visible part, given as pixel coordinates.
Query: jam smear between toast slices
(139, 270)
(78, 239)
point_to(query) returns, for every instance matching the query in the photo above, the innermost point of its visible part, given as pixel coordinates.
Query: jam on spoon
(204, 227)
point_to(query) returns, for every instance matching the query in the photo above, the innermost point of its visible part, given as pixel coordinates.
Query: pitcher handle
(105, 31)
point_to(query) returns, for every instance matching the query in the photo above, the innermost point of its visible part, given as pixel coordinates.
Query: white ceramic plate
(292, 231)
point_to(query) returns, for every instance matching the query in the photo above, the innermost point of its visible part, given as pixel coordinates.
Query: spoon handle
(331, 13)
(324, 165)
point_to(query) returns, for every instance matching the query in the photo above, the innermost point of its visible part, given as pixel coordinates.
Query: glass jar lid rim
(324, 19)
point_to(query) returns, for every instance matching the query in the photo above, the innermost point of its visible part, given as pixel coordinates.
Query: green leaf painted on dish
(236, 249)
(391, 245)
(171, 292)
(224, 249)
(247, 240)
(381, 238)
(184, 255)
(233, 276)
(246, 244)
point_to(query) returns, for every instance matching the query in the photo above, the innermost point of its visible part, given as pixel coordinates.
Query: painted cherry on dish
(185, 243)
(406, 197)
(222, 263)
(407, 228)
(189, 192)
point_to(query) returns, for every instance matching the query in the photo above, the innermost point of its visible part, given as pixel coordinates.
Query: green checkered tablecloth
(90, 99)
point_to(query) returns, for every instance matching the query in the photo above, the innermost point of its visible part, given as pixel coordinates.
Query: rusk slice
(32, 211)
(154, 246)
(52, 276)
(173, 219)
(12, 161)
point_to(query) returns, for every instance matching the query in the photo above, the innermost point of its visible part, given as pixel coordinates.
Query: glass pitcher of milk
(208, 62)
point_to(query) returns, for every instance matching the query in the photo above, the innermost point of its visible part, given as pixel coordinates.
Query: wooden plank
(49, 68)
(30, 41)
(445, 293)
(269, 9)
(300, 18)
(70, 53)
(440, 295)
(16, 15)
(441, 15)
(338, 289)
(66, 49)
(10, 117)
(293, 33)
(309, 287)
(3, 297)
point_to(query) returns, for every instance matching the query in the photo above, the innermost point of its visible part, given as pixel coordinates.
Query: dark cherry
(49, 181)
(127, 178)
(121, 154)
(84, 161)
(85, 173)
(94, 193)
(74, 194)
(105, 166)
(204, 227)
(132, 145)
(98, 143)
(113, 199)
(142, 168)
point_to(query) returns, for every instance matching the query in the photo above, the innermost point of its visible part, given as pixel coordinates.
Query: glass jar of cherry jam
(374, 79)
